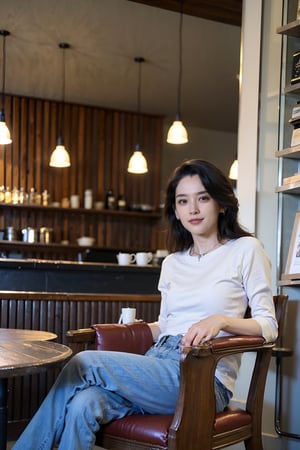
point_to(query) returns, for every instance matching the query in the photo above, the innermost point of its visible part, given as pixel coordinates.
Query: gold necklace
(193, 252)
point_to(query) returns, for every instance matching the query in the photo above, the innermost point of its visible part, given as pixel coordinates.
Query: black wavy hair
(219, 188)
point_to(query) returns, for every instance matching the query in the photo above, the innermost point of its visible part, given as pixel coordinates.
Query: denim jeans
(96, 387)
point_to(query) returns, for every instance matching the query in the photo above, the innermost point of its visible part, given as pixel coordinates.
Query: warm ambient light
(137, 163)
(4, 131)
(233, 172)
(177, 133)
(60, 156)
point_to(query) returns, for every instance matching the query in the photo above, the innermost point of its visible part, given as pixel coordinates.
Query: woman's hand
(204, 330)
(208, 328)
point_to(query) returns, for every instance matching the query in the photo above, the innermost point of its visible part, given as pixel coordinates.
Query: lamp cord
(180, 62)
(3, 69)
(63, 46)
(140, 60)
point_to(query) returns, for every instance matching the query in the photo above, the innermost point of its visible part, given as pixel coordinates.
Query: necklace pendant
(201, 255)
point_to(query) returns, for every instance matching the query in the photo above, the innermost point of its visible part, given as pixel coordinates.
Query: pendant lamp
(137, 162)
(233, 171)
(60, 156)
(4, 131)
(177, 133)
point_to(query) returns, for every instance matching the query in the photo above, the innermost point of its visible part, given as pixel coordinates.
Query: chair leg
(254, 443)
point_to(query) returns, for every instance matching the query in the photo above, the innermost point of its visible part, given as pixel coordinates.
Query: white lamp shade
(177, 133)
(233, 172)
(4, 134)
(60, 157)
(137, 163)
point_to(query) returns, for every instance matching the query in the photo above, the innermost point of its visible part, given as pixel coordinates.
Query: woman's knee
(85, 403)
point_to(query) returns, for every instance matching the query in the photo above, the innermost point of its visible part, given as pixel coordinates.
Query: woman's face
(195, 208)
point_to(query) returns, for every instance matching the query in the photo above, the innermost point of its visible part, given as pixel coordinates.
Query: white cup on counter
(127, 315)
(125, 259)
(143, 258)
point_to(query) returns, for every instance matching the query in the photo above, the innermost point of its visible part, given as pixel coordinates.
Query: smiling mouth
(195, 221)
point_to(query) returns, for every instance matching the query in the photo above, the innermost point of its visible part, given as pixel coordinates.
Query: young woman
(214, 271)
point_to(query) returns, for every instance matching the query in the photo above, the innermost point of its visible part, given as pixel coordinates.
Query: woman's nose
(194, 208)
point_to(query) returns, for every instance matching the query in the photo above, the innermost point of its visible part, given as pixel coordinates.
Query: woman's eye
(203, 198)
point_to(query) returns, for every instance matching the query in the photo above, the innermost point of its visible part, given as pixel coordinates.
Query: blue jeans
(96, 387)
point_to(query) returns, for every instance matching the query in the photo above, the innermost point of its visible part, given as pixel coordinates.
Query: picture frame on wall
(292, 269)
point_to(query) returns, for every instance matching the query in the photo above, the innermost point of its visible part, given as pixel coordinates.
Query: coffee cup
(127, 315)
(161, 253)
(125, 259)
(143, 258)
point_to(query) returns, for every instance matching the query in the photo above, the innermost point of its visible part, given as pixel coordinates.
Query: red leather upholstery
(131, 338)
(154, 429)
(151, 429)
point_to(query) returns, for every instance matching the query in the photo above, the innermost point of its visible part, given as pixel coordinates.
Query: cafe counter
(79, 277)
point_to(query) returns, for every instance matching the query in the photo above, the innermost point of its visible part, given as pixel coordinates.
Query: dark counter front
(79, 277)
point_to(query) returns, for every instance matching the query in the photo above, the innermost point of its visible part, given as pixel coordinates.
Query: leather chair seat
(151, 429)
(154, 429)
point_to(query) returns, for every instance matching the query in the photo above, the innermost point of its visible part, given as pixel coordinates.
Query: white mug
(143, 258)
(127, 315)
(125, 259)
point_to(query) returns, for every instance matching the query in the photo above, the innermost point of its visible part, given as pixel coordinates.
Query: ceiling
(226, 11)
(106, 35)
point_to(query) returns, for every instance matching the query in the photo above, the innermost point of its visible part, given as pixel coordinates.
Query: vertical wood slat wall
(100, 142)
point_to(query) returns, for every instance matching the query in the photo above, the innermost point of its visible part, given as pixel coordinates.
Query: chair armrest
(81, 339)
(130, 338)
(197, 370)
(231, 345)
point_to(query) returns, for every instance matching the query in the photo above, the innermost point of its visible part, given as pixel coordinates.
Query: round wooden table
(25, 352)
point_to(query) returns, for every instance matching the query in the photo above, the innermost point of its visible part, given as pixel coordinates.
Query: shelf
(104, 212)
(292, 188)
(292, 89)
(290, 152)
(290, 29)
(20, 246)
(288, 282)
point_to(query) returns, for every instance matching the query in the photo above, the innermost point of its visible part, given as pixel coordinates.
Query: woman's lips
(195, 221)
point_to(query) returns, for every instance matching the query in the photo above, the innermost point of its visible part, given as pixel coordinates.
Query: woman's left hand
(204, 330)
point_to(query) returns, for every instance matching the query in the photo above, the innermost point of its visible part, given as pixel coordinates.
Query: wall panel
(100, 142)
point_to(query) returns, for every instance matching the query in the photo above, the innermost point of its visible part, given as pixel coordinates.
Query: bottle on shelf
(45, 198)
(2, 194)
(110, 200)
(121, 203)
(23, 196)
(32, 196)
(15, 196)
(7, 195)
(88, 199)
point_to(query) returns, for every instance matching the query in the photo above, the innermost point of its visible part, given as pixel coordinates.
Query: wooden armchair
(195, 424)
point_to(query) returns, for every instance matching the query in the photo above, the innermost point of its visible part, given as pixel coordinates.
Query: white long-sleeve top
(224, 281)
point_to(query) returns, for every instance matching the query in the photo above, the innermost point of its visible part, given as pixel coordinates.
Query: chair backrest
(281, 302)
